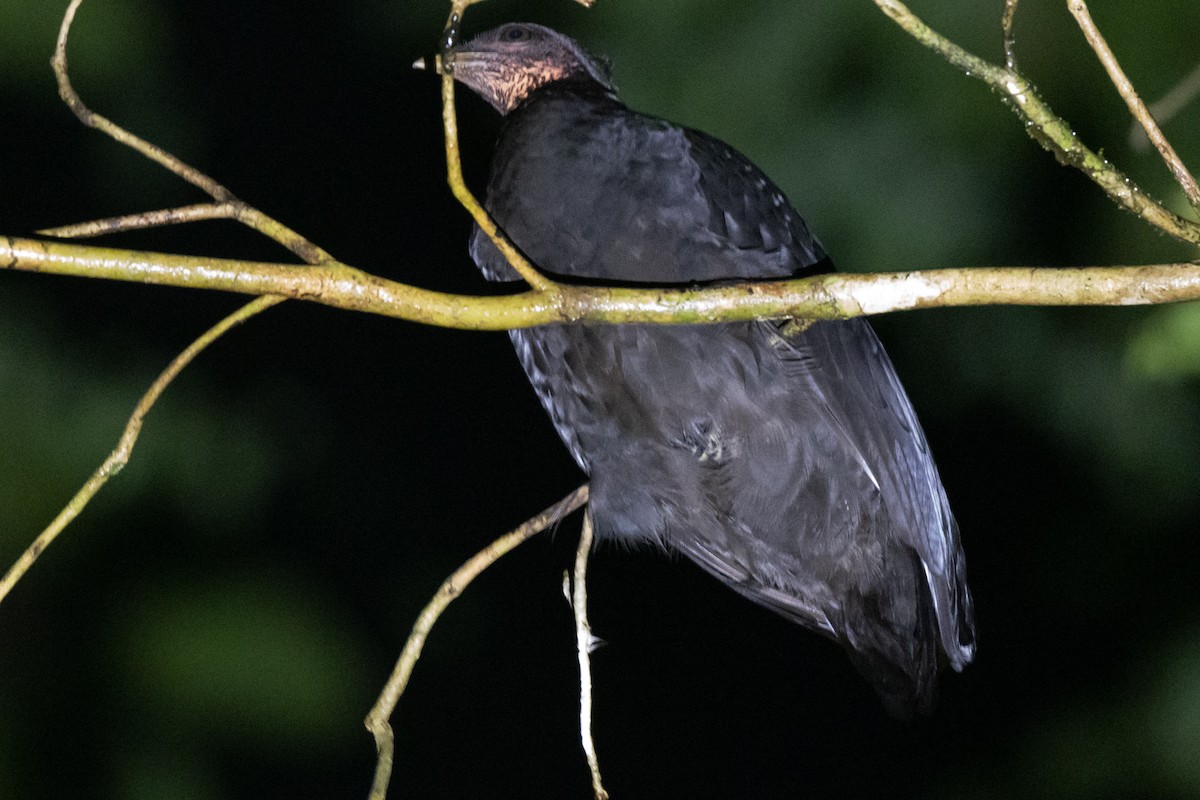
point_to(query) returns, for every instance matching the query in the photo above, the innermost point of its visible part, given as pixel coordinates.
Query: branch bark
(832, 296)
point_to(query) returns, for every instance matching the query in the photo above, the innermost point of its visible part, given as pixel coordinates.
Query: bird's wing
(762, 235)
(848, 381)
(865, 403)
(723, 565)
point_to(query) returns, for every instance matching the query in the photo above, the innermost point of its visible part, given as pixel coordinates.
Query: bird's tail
(901, 660)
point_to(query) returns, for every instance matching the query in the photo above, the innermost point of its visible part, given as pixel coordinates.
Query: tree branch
(377, 720)
(832, 296)
(225, 206)
(575, 587)
(462, 194)
(1047, 128)
(1010, 41)
(823, 297)
(1137, 108)
(119, 457)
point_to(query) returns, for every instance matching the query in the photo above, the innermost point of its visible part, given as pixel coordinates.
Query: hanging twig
(585, 643)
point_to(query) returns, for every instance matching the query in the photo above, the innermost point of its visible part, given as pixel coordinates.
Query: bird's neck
(586, 90)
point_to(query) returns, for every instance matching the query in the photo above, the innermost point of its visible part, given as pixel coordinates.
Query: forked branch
(377, 720)
(1046, 127)
(225, 206)
(1136, 107)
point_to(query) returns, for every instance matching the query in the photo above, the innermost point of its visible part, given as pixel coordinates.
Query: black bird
(785, 460)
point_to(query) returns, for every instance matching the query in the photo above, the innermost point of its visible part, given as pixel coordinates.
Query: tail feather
(901, 661)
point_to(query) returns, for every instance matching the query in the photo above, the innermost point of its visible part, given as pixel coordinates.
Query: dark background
(218, 621)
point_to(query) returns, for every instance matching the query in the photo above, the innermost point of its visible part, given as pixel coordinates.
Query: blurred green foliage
(217, 623)
(1167, 344)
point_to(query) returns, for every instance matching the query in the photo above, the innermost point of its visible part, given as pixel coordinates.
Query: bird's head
(507, 64)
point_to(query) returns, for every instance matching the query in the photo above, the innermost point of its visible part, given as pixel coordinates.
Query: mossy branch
(1047, 128)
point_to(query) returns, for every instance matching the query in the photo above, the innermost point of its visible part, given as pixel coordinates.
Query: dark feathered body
(789, 464)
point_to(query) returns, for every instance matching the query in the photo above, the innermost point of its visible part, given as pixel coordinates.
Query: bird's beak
(429, 62)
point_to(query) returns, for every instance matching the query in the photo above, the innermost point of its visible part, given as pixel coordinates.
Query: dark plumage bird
(785, 460)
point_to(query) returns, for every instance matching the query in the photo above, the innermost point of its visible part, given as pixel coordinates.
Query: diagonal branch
(1137, 108)
(143, 220)
(120, 455)
(1046, 127)
(101, 123)
(377, 720)
(226, 206)
(454, 174)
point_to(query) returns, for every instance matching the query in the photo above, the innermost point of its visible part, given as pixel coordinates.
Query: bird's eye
(516, 34)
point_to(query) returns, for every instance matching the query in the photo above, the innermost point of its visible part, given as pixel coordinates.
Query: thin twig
(458, 7)
(585, 642)
(93, 120)
(458, 186)
(454, 174)
(120, 455)
(226, 206)
(143, 220)
(1166, 107)
(1010, 42)
(234, 208)
(377, 720)
(1047, 128)
(1179, 170)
